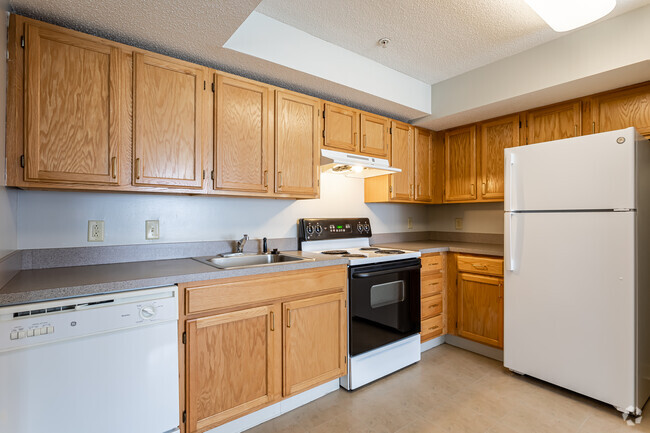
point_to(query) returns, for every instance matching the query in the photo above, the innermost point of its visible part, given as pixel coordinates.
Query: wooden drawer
(431, 264)
(431, 328)
(431, 306)
(431, 285)
(480, 265)
(232, 292)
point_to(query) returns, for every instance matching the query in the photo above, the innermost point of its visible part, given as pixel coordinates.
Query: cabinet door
(167, 116)
(71, 108)
(296, 144)
(554, 123)
(240, 130)
(315, 346)
(496, 136)
(618, 110)
(341, 128)
(230, 365)
(480, 308)
(460, 164)
(401, 184)
(374, 135)
(423, 165)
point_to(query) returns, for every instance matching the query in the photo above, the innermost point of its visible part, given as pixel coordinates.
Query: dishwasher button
(50, 329)
(37, 332)
(30, 332)
(14, 335)
(22, 334)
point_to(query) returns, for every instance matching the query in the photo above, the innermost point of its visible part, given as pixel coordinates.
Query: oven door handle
(388, 271)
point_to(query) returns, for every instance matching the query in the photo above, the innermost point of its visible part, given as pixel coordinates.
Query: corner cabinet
(167, 122)
(297, 144)
(460, 164)
(72, 99)
(253, 341)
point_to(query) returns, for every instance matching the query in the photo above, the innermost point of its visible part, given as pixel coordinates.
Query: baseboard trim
(275, 410)
(472, 346)
(434, 342)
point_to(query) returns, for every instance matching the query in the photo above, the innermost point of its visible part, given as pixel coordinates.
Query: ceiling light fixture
(565, 15)
(383, 42)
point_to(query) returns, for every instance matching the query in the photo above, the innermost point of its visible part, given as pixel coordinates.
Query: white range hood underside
(356, 166)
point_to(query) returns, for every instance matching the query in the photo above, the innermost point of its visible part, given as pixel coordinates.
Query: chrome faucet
(241, 243)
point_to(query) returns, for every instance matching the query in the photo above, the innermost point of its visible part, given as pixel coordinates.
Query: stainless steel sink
(248, 260)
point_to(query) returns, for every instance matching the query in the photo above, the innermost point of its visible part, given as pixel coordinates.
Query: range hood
(357, 166)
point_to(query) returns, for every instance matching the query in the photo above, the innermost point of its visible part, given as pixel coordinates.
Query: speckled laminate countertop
(454, 247)
(58, 283)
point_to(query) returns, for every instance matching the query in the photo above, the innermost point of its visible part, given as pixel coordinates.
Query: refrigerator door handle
(511, 263)
(511, 189)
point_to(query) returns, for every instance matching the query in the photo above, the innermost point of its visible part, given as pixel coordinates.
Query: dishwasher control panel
(40, 326)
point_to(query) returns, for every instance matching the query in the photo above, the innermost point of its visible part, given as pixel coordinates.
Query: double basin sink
(236, 261)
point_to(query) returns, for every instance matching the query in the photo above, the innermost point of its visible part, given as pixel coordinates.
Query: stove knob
(360, 228)
(310, 230)
(366, 227)
(319, 229)
(148, 312)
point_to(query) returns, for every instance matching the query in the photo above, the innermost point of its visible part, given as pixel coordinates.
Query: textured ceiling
(430, 40)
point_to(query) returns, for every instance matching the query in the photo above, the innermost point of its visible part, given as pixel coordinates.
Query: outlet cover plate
(458, 222)
(95, 231)
(152, 229)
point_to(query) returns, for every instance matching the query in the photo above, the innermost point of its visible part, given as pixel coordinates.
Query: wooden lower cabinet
(477, 296)
(315, 346)
(432, 296)
(230, 363)
(250, 343)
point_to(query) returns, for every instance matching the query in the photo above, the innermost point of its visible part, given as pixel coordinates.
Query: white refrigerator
(577, 265)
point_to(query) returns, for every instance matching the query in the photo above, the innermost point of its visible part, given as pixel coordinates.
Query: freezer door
(569, 301)
(591, 172)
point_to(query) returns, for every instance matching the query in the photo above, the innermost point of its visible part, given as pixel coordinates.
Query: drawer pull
(434, 284)
(433, 306)
(482, 267)
(433, 327)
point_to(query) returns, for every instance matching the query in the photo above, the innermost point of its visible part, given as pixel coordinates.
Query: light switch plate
(458, 222)
(95, 231)
(152, 229)
(409, 223)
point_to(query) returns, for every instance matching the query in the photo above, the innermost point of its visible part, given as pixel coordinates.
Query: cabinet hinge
(22, 41)
(203, 84)
(203, 174)
(390, 130)
(520, 124)
(346, 359)
(323, 133)
(22, 161)
(390, 188)
(345, 304)
(184, 416)
(323, 114)
(212, 174)
(184, 337)
(212, 87)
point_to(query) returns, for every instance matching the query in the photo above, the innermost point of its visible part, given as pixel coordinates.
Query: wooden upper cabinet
(71, 108)
(241, 135)
(315, 344)
(167, 115)
(296, 143)
(622, 109)
(460, 164)
(374, 135)
(554, 123)
(480, 308)
(341, 128)
(401, 184)
(423, 165)
(231, 360)
(496, 136)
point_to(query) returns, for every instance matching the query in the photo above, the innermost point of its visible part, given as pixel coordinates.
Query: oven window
(387, 294)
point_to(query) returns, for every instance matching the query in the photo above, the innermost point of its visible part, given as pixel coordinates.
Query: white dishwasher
(99, 364)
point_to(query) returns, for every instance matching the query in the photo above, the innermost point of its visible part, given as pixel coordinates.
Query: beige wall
(8, 196)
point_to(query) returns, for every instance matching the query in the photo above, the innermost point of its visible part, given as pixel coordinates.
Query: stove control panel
(314, 229)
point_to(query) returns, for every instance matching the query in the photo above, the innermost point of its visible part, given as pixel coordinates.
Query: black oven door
(384, 303)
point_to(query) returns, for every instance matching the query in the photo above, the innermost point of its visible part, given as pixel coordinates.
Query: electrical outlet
(95, 231)
(409, 223)
(458, 223)
(152, 229)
